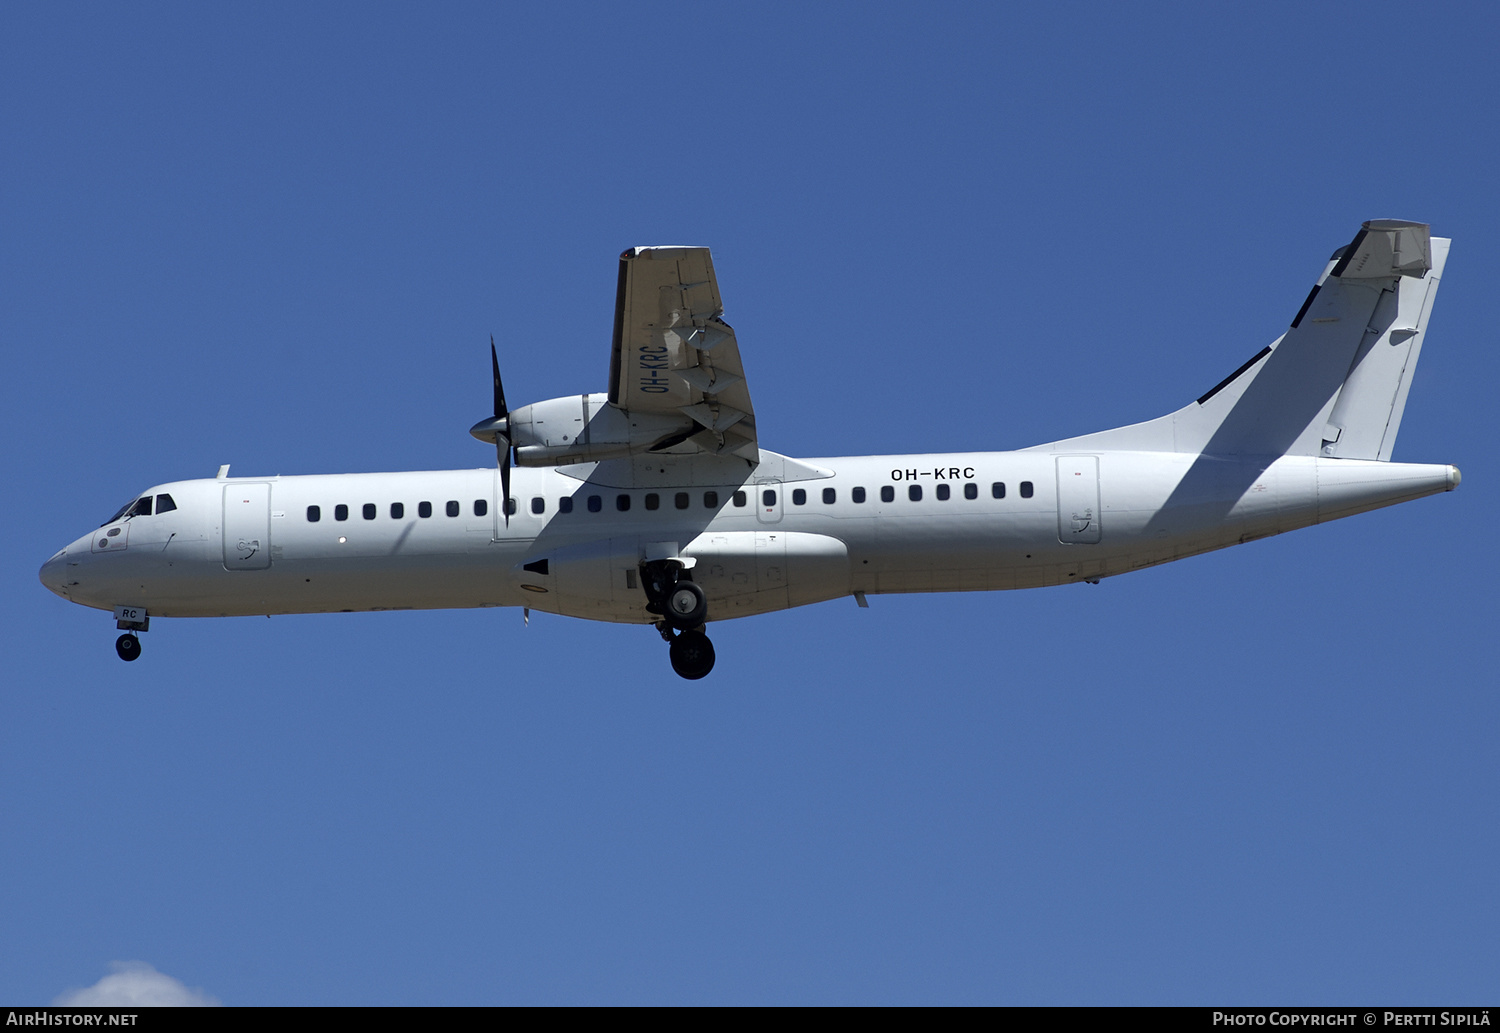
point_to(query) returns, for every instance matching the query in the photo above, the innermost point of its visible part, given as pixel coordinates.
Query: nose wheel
(128, 647)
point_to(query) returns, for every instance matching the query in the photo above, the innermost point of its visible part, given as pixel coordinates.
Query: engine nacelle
(586, 428)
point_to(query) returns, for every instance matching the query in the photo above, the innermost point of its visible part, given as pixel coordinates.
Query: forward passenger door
(247, 526)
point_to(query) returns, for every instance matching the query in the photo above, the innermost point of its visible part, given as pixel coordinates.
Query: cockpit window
(119, 512)
(142, 507)
(164, 504)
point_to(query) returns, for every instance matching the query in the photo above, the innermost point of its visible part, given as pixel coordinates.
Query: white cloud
(136, 984)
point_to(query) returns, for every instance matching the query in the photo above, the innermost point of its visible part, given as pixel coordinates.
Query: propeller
(497, 429)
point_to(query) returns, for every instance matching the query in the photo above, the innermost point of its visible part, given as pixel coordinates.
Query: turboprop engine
(584, 428)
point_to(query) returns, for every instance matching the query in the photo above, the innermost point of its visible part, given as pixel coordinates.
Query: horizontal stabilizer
(1384, 248)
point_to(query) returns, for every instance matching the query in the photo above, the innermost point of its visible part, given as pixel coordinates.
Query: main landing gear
(683, 608)
(691, 652)
(692, 655)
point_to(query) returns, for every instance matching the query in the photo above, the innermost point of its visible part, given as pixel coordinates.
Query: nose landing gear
(130, 619)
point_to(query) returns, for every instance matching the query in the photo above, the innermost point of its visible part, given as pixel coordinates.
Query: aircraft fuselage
(785, 534)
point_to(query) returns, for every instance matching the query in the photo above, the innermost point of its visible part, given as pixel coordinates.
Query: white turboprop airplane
(655, 504)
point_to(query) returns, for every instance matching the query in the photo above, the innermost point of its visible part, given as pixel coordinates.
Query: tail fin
(1335, 384)
(1367, 414)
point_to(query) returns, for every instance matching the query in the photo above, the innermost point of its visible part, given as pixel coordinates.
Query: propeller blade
(505, 484)
(500, 409)
(489, 427)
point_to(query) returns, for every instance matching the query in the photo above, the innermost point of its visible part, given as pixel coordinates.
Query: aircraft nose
(52, 572)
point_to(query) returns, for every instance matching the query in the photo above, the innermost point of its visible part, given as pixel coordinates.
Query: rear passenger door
(1078, 500)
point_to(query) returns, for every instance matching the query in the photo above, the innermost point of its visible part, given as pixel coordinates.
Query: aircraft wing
(675, 355)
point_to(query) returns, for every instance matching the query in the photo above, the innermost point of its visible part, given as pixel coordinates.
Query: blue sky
(280, 237)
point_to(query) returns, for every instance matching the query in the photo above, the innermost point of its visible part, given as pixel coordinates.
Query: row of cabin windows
(398, 510)
(595, 504)
(681, 500)
(888, 493)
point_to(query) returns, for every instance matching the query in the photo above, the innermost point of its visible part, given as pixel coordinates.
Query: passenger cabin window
(799, 497)
(943, 491)
(997, 490)
(971, 490)
(398, 510)
(653, 500)
(768, 498)
(1026, 490)
(482, 507)
(711, 500)
(857, 494)
(424, 509)
(622, 503)
(914, 492)
(341, 512)
(164, 504)
(740, 499)
(887, 493)
(539, 504)
(510, 508)
(368, 511)
(314, 514)
(565, 504)
(829, 496)
(682, 500)
(595, 503)
(453, 507)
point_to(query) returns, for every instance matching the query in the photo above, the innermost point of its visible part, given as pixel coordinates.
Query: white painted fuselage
(784, 534)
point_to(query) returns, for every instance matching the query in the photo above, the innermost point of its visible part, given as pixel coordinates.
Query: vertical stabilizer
(1335, 384)
(1367, 414)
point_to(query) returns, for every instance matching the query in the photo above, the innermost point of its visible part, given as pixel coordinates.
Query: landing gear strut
(128, 646)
